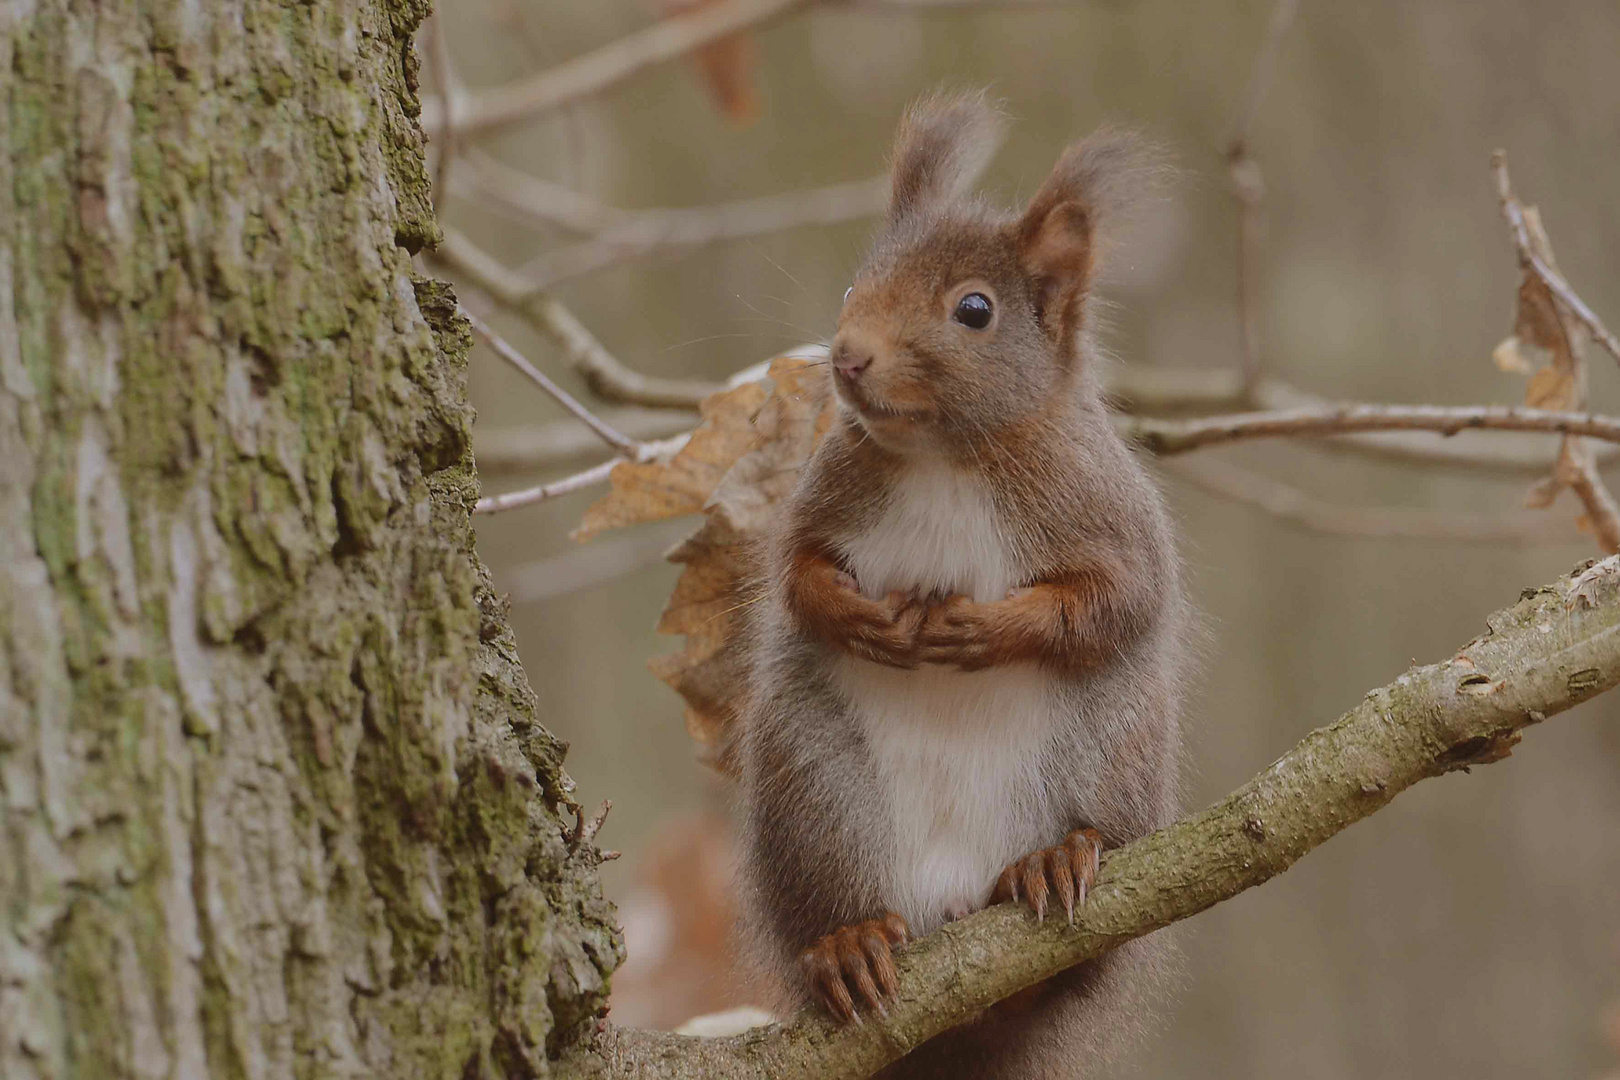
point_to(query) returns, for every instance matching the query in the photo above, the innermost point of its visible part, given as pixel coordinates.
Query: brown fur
(1097, 607)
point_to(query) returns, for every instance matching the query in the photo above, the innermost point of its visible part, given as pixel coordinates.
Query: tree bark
(276, 802)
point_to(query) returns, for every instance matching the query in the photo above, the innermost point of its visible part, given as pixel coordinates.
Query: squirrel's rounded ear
(944, 144)
(1058, 236)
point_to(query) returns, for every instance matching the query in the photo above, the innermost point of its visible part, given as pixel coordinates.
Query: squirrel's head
(966, 319)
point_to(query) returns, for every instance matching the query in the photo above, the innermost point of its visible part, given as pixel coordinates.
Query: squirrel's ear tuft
(1059, 236)
(944, 144)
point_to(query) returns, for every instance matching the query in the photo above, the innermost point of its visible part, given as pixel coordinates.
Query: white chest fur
(940, 532)
(958, 753)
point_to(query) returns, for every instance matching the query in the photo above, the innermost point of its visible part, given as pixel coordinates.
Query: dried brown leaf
(1536, 320)
(713, 596)
(656, 490)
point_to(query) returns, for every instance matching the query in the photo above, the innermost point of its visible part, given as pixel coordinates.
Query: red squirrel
(972, 633)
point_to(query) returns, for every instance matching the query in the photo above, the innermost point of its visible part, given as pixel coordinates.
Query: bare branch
(1289, 504)
(597, 474)
(585, 831)
(619, 441)
(616, 234)
(1248, 188)
(606, 376)
(596, 71)
(1180, 436)
(540, 202)
(1148, 390)
(1265, 63)
(1558, 647)
(651, 230)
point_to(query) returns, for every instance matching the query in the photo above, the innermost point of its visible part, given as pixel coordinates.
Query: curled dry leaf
(742, 461)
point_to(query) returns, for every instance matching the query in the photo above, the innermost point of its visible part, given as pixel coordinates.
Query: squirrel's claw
(858, 957)
(1069, 870)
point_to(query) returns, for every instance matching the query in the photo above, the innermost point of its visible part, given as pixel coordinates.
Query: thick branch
(1559, 646)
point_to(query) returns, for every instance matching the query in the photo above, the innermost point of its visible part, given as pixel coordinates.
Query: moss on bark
(276, 799)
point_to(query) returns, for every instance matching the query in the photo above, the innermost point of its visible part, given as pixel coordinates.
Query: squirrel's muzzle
(849, 360)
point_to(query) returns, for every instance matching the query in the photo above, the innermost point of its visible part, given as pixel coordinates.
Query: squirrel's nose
(850, 361)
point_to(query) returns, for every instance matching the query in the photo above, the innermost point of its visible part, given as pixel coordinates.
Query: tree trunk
(275, 799)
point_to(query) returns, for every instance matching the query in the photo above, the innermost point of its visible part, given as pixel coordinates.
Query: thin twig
(1146, 390)
(585, 831)
(619, 441)
(1289, 504)
(526, 447)
(596, 474)
(1248, 188)
(596, 71)
(1265, 62)
(1180, 436)
(607, 377)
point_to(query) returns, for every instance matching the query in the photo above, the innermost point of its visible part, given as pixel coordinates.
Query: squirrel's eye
(847, 292)
(973, 311)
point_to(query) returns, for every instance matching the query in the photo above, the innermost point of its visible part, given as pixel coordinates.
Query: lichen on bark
(274, 796)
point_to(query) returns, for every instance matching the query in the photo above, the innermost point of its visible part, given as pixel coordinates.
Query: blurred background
(1473, 927)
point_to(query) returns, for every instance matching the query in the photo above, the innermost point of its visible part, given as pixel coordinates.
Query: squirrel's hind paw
(1070, 869)
(858, 957)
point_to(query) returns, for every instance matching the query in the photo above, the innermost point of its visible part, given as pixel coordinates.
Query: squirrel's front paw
(857, 956)
(1069, 870)
(883, 631)
(955, 632)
